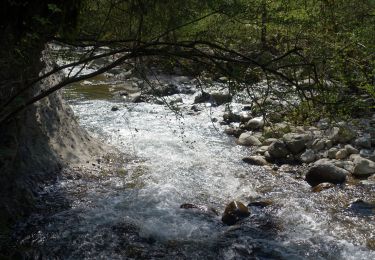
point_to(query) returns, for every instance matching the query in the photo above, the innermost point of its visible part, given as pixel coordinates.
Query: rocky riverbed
(205, 174)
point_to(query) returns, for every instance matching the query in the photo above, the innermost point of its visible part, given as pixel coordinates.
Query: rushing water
(172, 160)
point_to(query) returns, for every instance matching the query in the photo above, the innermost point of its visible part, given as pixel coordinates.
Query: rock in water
(114, 108)
(234, 212)
(322, 186)
(255, 160)
(200, 208)
(325, 172)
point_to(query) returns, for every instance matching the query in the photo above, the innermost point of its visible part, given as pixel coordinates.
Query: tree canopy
(323, 48)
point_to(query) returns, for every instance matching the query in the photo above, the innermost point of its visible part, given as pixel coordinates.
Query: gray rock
(278, 150)
(342, 134)
(295, 142)
(255, 160)
(245, 116)
(331, 153)
(363, 167)
(318, 144)
(248, 139)
(269, 141)
(325, 172)
(322, 186)
(261, 150)
(255, 123)
(323, 124)
(230, 116)
(308, 156)
(341, 154)
(363, 141)
(202, 97)
(328, 144)
(346, 165)
(351, 150)
(221, 98)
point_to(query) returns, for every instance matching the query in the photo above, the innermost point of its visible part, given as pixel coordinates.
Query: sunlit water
(174, 160)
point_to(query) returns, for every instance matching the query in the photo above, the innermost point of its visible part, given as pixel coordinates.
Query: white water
(188, 159)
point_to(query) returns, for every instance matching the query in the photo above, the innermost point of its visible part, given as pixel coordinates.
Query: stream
(173, 159)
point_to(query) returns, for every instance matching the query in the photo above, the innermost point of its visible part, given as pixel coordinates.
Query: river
(175, 158)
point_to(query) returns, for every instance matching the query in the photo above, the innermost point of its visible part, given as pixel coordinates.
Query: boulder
(331, 153)
(295, 142)
(318, 144)
(346, 165)
(341, 154)
(328, 144)
(247, 139)
(278, 150)
(203, 97)
(308, 156)
(341, 134)
(234, 212)
(245, 116)
(325, 172)
(221, 98)
(255, 160)
(255, 123)
(363, 167)
(351, 150)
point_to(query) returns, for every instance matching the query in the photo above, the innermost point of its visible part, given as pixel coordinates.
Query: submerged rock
(322, 186)
(221, 98)
(325, 172)
(234, 212)
(260, 204)
(202, 98)
(362, 207)
(200, 208)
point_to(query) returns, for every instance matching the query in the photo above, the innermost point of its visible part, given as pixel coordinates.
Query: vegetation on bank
(324, 50)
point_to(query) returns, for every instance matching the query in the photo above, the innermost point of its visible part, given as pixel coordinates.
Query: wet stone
(234, 212)
(362, 207)
(322, 186)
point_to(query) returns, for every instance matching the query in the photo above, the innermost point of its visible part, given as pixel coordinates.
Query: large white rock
(255, 123)
(248, 139)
